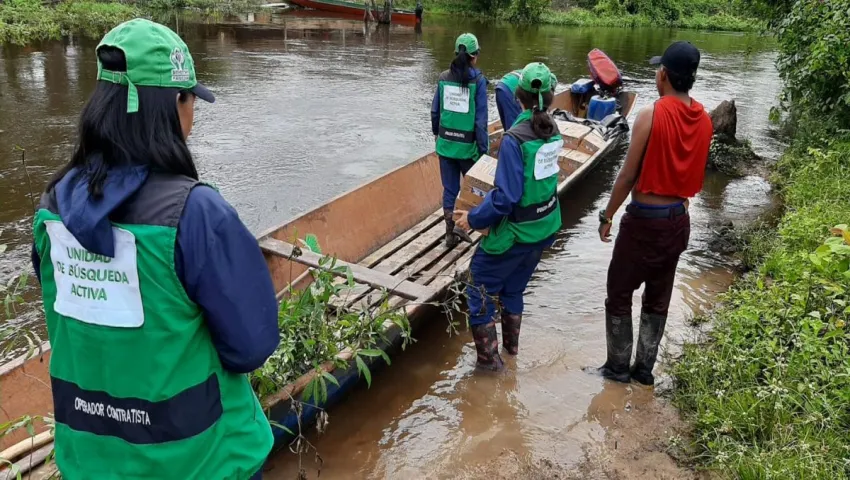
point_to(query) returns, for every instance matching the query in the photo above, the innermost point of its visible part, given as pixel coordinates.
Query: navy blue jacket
(481, 136)
(216, 258)
(507, 105)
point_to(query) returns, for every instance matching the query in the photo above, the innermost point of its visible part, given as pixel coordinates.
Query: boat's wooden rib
(439, 275)
(402, 240)
(394, 263)
(396, 285)
(421, 270)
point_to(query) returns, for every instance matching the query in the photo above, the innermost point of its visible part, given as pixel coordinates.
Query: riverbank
(685, 16)
(24, 22)
(767, 392)
(767, 389)
(28, 21)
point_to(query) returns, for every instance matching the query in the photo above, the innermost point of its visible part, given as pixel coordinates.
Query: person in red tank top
(664, 167)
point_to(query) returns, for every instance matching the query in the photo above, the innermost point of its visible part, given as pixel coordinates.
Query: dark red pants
(646, 251)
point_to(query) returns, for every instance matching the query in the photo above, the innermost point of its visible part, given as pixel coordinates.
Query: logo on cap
(178, 73)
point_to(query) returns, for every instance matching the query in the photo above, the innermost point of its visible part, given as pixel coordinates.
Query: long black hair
(111, 137)
(460, 66)
(542, 123)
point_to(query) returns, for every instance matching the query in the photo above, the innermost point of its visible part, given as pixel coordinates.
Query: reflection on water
(310, 106)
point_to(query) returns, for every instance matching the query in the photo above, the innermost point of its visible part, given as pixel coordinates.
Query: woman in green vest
(507, 104)
(522, 213)
(459, 123)
(157, 298)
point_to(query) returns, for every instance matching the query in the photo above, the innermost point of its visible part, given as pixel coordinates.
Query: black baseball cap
(681, 58)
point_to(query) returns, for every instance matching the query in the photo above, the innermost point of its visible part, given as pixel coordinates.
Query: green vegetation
(313, 333)
(768, 390)
(697, 14)
(26, 21)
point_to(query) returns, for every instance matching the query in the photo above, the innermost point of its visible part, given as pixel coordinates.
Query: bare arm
(628, 175)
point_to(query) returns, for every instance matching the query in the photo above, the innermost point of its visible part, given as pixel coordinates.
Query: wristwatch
(603, 219)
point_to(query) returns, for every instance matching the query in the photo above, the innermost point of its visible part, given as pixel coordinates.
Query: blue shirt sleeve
(507, 105)
(507, 190)
(435, 112)
(223, 270)
(481, 115)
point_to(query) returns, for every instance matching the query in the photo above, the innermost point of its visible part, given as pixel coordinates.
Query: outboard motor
(604, 72)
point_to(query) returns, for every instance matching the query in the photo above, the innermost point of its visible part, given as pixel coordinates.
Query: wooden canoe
(393, 226)
(353, 8)
(390, 226)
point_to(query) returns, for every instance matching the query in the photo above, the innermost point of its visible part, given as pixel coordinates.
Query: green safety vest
(456, 137)
(138, 388)
(538, 214)
(512, 80)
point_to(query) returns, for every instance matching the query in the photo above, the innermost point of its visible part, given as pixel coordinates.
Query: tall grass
(768, 393)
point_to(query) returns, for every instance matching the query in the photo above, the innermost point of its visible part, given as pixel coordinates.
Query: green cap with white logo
(536, 78)
(469, 41)
(156, 57)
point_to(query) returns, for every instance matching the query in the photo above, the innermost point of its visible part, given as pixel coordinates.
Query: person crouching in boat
(459, 123)
(664, 167)
(507, 104)
(522, 213)
(157, 298)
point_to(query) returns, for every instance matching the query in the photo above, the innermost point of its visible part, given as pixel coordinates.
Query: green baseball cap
(156, 57)
(537, 71)
(469, 41)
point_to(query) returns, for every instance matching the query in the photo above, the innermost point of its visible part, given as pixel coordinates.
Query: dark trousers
(451, 171)
(258, 475)
(504, 276)
(646, 251)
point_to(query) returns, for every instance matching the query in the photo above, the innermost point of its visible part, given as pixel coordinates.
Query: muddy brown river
(310, 106)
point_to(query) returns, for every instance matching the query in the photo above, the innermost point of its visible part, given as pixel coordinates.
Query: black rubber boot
(511, 324)
(451, 238)
(487, 346)
(618, 331)
(649, 337)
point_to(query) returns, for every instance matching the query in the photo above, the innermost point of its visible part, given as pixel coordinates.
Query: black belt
(664, 212)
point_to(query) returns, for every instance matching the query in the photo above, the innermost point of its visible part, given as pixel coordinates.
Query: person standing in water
(459, 123)
(522, 213)
(664, 167)
(157, 298)
(507, 104)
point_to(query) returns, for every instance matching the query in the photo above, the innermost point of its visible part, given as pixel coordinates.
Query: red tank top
(677, 151)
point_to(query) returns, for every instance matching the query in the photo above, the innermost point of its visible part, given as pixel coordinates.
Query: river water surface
(310, 106)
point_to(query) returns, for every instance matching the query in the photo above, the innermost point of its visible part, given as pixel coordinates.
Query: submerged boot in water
(451, 238)
(510, 332)
(487, 346)
(649, 337)
(618, 331)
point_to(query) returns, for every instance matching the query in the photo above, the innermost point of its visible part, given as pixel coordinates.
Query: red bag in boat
(603, 70)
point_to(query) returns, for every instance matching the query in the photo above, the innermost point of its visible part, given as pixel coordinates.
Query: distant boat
(282, 5)
(354, 9)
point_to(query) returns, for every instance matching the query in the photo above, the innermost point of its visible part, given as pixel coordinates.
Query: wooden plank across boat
(389, 230)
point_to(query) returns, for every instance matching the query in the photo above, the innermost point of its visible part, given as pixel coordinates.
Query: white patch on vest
(93, 288)
(122, 415)
(546, 160)
(455, 99)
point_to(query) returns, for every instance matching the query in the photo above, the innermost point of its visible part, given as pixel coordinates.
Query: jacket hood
(87, 217)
